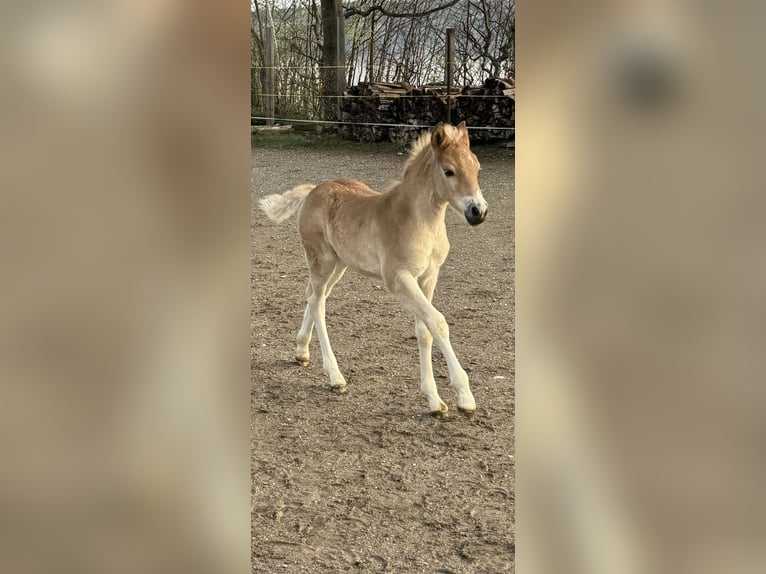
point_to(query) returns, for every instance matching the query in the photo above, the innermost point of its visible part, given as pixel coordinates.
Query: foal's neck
(418, 187)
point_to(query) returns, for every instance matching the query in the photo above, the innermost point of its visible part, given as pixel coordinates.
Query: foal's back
(334, 202)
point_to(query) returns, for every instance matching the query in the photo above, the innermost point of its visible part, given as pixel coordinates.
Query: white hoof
(437, 408)
(465, 401)
(337, 381)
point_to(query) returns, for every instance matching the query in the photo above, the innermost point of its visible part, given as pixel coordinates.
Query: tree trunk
(333, 57)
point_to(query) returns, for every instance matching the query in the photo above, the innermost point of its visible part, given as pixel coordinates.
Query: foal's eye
(449, 172)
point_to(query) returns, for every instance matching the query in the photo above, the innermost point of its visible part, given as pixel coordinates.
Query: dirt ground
(368, 481)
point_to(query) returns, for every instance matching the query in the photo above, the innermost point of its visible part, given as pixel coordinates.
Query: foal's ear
(438, 136)
(463, 131)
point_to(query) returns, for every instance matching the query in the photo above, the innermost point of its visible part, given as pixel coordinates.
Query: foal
(398, 236)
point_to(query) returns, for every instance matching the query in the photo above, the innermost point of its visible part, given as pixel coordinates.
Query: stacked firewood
(490, 105)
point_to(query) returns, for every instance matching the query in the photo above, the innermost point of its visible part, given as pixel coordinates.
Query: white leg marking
(304, 335)
(406, 287)
(427, 382)
(425, 342)
(304, 338)
(317, 309)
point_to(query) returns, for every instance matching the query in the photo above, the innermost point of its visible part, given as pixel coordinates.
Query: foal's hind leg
(304, 335)
(320, 281)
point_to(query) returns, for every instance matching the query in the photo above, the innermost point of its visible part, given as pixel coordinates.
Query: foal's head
(456, 171)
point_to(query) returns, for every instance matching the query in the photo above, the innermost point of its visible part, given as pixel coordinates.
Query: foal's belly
(368, 272)
(357, 255)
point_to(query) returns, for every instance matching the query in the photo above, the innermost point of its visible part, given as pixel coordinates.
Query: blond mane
(420, 144)
(418, 153)
(423, 143)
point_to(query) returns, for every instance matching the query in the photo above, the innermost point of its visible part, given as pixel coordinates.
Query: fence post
(268, 76)
(449, 70)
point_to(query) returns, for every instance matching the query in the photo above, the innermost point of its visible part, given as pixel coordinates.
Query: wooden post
(268, 75)
(449, 70)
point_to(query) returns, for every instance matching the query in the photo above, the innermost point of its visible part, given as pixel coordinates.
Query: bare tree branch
(349, 11)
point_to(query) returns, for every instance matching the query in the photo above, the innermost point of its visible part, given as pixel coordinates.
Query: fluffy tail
(280, 207)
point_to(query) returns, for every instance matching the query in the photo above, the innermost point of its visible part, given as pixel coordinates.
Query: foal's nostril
(474, 214)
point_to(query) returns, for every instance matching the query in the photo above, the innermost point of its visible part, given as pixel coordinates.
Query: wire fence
(388, 106)
(346, 67)
(376, 124)
(373, 96)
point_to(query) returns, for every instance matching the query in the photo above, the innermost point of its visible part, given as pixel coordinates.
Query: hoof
(440, 414)
(302, 361)
(467, 413)
(339, 389)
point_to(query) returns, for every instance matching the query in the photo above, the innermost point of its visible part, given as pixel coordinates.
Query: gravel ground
(368, 481)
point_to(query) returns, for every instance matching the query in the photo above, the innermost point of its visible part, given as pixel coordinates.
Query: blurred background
(124, 224)
(124, 221)
(640, 289)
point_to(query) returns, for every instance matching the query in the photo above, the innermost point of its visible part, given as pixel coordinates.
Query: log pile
(413, 108)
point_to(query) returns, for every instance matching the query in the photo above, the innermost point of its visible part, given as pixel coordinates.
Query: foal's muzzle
(475, 213)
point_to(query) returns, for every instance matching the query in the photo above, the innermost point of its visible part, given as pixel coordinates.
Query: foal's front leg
(425, 341)
(406, 287)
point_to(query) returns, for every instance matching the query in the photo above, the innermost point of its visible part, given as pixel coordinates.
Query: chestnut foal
(398, 236)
